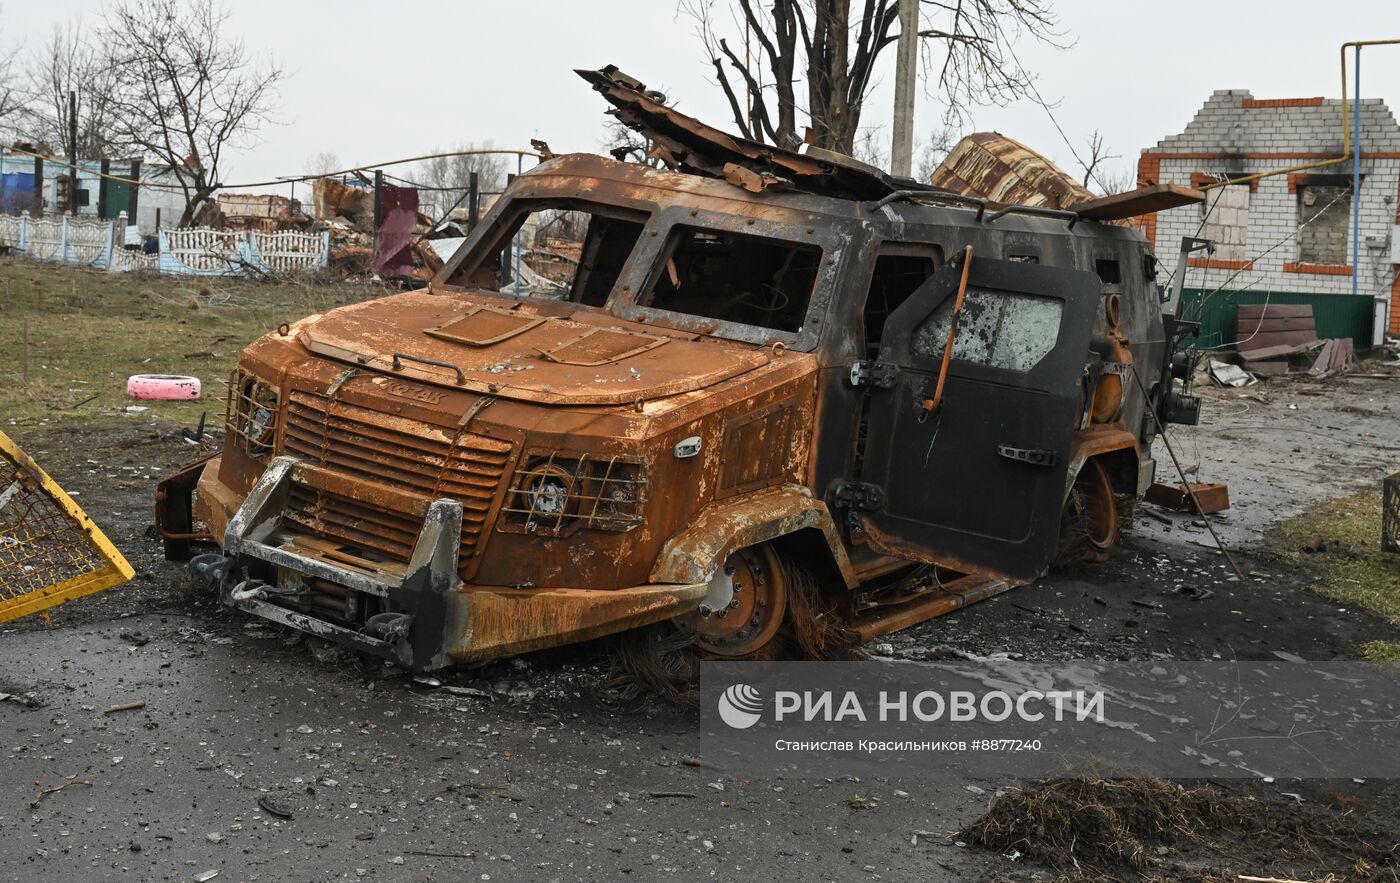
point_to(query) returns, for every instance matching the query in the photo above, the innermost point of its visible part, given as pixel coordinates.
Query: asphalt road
(257, 759)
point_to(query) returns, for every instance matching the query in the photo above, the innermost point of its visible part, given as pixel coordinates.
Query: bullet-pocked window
(736, 277)
(997, 329)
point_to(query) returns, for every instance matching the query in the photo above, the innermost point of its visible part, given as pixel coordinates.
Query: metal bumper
(435, 619)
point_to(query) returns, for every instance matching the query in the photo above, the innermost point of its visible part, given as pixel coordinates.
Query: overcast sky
(374, 81)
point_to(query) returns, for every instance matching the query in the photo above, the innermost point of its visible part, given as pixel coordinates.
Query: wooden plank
(1143, 201)
(1257, 354)
(1281, 338)
(1270, 324)
(1275, 311)
(1346, 350)
(1267, 369)
(1323, 363)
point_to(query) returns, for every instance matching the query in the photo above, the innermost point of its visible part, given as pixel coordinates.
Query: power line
(1249, 264)
(276, 182)
(1030, 83)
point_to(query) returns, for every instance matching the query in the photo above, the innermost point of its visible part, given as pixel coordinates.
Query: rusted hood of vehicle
(518, 350)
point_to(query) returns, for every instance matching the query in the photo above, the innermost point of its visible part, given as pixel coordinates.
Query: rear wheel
(1090, 522)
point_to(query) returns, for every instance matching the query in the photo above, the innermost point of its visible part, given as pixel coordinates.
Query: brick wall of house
(1235, 135)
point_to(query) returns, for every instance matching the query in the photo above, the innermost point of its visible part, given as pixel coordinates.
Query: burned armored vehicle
(776, 385)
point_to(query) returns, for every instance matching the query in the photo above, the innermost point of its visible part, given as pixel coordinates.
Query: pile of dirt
(1149, 829)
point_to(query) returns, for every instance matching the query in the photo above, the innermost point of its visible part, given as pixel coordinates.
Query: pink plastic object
(168, 387)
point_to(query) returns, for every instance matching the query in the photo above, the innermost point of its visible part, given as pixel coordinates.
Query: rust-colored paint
(674, 440)
(992, 166)
(941, 601)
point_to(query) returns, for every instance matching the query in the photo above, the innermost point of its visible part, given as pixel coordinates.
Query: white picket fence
(203, 251)
(197, 251)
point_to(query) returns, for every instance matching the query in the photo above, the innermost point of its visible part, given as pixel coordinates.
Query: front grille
(407, 455)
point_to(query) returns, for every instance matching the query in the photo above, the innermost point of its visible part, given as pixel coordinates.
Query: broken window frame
(893, 248)
(500, 228)
(1331, 188)
(829, 237)
(1211, 226)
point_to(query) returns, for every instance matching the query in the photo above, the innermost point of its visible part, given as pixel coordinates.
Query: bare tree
(932, 151)
(184, 91)
(70, 62)
(13, 96)
(829, 49)
(1119, 179)
(447, 178)
(322, 163)
(1098, 155)
(869, 147)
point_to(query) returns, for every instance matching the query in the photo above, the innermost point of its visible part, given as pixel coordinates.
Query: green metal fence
(1336, 315)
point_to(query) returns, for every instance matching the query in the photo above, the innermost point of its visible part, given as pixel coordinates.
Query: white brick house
(1262, 254)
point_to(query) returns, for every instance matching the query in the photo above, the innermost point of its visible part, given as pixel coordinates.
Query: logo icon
(740, 706)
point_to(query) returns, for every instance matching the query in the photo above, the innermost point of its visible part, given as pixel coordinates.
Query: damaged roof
(1022, 176)
(689, 145)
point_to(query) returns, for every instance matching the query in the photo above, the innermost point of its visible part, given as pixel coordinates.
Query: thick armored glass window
(735, 277)
(998, 329)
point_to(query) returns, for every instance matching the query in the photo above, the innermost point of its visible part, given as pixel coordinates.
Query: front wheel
(763, 604)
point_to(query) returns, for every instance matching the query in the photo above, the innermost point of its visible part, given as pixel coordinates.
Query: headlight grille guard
(250, 415)
(600, 492)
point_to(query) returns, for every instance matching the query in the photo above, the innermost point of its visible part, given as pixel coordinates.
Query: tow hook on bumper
(416, 638)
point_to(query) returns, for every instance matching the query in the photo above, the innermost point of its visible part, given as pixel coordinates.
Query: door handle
(931, 405)
(1033, 456)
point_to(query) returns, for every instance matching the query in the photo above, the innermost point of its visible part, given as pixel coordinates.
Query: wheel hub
(744, 607)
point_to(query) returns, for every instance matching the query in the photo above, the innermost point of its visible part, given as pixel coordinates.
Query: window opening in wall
(1324, 221)
(1226, 214)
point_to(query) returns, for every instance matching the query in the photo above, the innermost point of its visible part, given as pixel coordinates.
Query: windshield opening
(736, 277)
(557, 251)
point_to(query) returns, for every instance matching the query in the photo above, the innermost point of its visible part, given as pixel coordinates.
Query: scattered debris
(29, 700)
(1114, 829)
(266, 805)
(39, 798)
(1208, 497)
(1226, 374)
(163, 387)
(54, 552)
(1336, 354)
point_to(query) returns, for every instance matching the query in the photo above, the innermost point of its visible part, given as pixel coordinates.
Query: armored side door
(977, 483)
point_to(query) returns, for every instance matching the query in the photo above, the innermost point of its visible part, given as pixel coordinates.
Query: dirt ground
(265, 758)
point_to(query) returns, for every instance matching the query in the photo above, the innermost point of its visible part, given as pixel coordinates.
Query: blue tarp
(16, 191)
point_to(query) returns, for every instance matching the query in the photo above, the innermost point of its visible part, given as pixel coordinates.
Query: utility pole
(378, 208)
(473, 200)
(72, 153)
(905, 76)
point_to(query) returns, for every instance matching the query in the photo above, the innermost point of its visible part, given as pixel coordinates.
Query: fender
(1095, 442)
(721, 528)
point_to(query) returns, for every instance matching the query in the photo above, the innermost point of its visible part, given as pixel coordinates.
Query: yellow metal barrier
(50, 551)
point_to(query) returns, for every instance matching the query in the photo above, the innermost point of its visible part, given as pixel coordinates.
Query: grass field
(89, 330)
(1342, 540)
